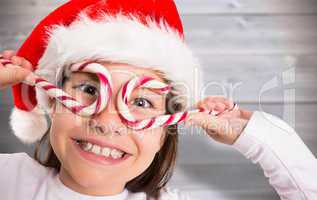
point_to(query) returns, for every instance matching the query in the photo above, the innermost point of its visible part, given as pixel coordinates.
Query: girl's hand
(224, 128)
(14, 73)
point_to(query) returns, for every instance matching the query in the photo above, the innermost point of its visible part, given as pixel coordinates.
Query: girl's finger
(208, 100)
(16, 60)
(7, 54)
(212, 125)
(230, 114)
(220, 107)
(209, 105)
(26, 64)
(216, 99)
(203, 120)
(245, 114)
(206, 105)
(1, 57)
(12, 74)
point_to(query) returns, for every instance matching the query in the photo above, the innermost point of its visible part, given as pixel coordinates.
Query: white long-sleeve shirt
(288, 164)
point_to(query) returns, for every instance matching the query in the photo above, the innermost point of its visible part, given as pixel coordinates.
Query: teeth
(87, 146)
(114, 153)
(96, 149)
(106, 151)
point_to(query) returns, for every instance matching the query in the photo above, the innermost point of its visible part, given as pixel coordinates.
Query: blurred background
(262, 54)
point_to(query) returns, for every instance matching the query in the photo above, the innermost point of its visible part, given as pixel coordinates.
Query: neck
(104, 190)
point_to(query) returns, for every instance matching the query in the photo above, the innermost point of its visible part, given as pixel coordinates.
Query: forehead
(126, 71)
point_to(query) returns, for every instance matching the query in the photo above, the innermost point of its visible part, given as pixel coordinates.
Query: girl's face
(87, 172)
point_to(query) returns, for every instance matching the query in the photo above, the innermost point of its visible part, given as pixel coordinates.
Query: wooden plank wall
(266, 50)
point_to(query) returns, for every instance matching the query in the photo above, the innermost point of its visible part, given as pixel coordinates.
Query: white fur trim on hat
(28, 126)
(119, 39)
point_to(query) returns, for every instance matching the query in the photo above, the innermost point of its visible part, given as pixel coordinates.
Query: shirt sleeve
(289, 165)
(20, 176)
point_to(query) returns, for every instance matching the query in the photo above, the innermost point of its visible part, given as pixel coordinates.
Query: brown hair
(156, 176)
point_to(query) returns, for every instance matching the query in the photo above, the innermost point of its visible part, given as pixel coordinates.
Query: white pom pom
(29, 127)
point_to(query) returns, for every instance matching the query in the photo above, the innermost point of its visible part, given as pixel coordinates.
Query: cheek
(148, 143)
(62, 123)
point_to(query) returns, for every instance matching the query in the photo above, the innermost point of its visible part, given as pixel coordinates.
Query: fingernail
(5, 62)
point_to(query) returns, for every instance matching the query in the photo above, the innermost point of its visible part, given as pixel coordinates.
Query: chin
(90, 179)
(92, 175)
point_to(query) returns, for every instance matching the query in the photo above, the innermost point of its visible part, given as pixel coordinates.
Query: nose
(108, 121)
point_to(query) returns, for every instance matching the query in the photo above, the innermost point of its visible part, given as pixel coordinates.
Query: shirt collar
(67, 193)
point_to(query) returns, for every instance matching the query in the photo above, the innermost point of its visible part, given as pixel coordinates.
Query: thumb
(12, 74)
(222, 129)
(205, 121)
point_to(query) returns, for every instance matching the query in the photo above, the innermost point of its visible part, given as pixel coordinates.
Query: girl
(100, 157)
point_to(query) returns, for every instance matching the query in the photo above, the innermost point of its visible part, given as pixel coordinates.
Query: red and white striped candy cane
(106, 93)
(105, 83)
(124, 95)
(154, 122)
(69, 101)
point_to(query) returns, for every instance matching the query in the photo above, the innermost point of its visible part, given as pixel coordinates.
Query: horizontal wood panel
(252, 35)
(225, 182)
(33, 3)
(253, 78)
(6, 98)
(215, 35)
(9, 143)
(247, 43)
(204, 176)
(226, 7)
(190, 6)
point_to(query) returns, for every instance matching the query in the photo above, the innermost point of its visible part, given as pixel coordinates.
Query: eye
(89, 89)
(142, 102)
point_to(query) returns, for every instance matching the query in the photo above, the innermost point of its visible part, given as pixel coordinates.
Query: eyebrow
(93, 77)
(150, 91)
(89, 77)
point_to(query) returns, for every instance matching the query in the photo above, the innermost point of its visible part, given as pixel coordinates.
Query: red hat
(137, 32)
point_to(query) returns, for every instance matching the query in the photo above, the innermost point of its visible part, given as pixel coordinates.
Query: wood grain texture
(233, 7)
(246, 44)
(223, 181)
(251, 35)
(247, 78)
(216, 35)
(215, 7)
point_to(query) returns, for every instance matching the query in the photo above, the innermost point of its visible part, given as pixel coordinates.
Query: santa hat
(145, 33)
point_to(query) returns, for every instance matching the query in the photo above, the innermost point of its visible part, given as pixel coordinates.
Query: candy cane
(124, 95)
(106, 93)
(154, 122)
(69, 101)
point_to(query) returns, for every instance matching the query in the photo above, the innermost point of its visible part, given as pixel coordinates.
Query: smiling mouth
(104, 151)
